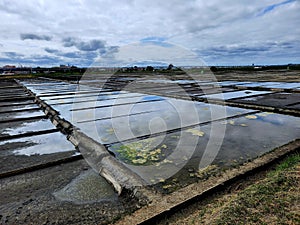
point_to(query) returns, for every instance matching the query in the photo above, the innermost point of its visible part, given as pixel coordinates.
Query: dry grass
(274, 199)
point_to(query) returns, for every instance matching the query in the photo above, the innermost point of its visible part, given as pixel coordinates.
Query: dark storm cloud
(35, 37)
(92, 45)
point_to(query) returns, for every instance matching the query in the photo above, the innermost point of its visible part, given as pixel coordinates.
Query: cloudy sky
(220, 32)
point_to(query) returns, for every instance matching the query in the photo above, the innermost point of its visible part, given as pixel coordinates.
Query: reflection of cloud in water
(153, 97)
(41, 144)
(29, 127)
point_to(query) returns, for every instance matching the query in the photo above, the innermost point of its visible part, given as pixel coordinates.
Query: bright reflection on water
(37, 145)
(21, 127)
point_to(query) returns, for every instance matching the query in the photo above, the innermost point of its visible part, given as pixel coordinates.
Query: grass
(272, 198)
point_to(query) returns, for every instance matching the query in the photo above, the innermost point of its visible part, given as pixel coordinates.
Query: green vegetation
(272, 198)
(141, 152)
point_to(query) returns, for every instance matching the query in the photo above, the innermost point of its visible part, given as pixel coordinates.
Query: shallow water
(234, 94)
(23, 114)
(81, 95)
(280, 85)
(231, 83)
(285, 85)
(281, 99)
(92, 98)
(22, 127)
(36, 145)
(165, 116)
(88, 187)
(13, 108)
(246, 138)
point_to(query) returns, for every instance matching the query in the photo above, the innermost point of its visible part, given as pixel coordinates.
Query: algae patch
(196, 132)
(251, 117)
(141, 152)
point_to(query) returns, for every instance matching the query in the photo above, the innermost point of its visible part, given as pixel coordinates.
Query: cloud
(153, 39)
(33, 60)
(92, 45)
(240, 54)
(140, 53)
(50, 50)
(273, 7)
(13, 54)
(69, 42)
(35, 37)
(161, 41)
(84, 58)
(223, 30)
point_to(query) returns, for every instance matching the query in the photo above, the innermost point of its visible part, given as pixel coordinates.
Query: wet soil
(29, 198)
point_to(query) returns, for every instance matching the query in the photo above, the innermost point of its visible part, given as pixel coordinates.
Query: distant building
(8, 67)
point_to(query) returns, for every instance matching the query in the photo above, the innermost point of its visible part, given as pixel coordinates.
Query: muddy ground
(29, 198)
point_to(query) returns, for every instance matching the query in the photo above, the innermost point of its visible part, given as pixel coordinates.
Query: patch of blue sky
(153, 98)
(274, 6)
(160, 41)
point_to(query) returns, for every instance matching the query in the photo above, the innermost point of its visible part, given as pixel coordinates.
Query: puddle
(251, 84)
(18, 115)
(13, 95)
(159, 81)
(88, 187)
(231, 83)
(235, 94)
(10, 163)
(274, 100)
(102, 101)
(16, 103)
(63, 88)
(81, 95)
(18, 107)
(22, 127)
(92, 98)
(279, 85)
(67, 88)
(110, 112)
(69, 93)
(285, 85)
(36, 145)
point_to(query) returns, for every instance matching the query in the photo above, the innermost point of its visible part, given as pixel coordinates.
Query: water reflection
(246, 138)
(36, 145)
(22, 127)
(235, 94)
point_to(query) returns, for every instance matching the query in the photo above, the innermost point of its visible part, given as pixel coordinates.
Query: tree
(170, 67)
(149, 68)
